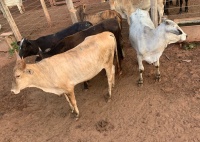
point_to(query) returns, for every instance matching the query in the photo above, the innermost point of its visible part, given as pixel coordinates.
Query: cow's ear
(167, 23)
(18, 42)
(29, 71)
(84, 6)
(28, 42)
(164, 19)
(21, 65)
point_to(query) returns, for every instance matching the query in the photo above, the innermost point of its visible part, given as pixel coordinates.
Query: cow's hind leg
(141, 70)
(110, 72)
(180, 10)
(177, 2)
(166, 7)
(86, 85)
(113, 76)
(186, 5)
(157, 64)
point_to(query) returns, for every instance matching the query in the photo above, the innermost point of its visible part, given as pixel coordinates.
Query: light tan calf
(126, 7)
(99, 16)
(60, 73)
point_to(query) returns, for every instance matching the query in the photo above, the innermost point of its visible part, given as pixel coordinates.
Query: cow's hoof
(158, 78)
(107, 98)
(85, 89)
(77, 117)
(140, 82)
(72, 110)
(120, 72)
(113, 85)
(180, 12)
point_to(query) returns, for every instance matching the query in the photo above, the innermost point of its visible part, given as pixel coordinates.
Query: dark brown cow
(70, 42)
(97, 17)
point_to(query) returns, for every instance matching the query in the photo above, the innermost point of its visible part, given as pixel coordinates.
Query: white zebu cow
(126, 7)
(11, 3)
(150, 42)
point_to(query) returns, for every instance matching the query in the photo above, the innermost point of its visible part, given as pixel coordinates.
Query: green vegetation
(14, 47)
(190, 45)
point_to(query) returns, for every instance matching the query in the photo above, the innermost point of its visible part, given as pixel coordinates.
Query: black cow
(169, 2)
(71, 41)
(44, 44)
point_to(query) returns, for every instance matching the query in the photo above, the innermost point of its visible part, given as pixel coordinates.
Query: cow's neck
(34, 46)
(159, 36)
(42, 79)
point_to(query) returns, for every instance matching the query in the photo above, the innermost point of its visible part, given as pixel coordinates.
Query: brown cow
(60, 73)
(126, 7)
(97, 17)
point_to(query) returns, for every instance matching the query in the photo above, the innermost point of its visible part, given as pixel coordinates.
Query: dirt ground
(165, 111)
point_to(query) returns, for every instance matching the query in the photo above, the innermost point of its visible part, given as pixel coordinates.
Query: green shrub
(14, 47)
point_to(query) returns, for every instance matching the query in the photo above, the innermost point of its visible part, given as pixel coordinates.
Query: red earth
(165, 111)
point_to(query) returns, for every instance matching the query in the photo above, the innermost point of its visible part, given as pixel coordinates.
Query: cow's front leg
(157, 64)
(141, 70)
(72, 102)
(71, 107)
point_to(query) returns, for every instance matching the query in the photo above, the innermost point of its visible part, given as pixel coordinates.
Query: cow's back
(70, 42)
(84, 61)
(50, 41)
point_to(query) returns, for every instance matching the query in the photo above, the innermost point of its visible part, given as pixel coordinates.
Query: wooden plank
(11, 21)
(193, 32)
(154, 13)
(72, 11)
(46, 13)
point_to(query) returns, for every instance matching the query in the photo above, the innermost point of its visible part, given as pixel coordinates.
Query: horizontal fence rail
(33, 24)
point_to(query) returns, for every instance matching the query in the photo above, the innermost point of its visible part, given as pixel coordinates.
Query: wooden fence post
(72, 11)
(154, 13)
(11, 21)
(46, 13)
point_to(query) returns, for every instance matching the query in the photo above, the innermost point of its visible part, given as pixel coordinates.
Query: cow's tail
(117, 57)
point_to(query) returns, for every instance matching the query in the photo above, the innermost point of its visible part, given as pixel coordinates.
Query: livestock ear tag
(29, 71)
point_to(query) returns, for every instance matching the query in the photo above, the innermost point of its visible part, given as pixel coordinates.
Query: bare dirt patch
(168, 110)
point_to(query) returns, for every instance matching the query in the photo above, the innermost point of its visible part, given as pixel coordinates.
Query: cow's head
(27, 48)
(173, 32)
(81, 11)
(112, 4)
(21, 75)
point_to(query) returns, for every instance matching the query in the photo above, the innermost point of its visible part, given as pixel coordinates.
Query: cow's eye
(17, 76)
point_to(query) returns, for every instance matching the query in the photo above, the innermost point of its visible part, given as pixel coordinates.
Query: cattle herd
(79, 52)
